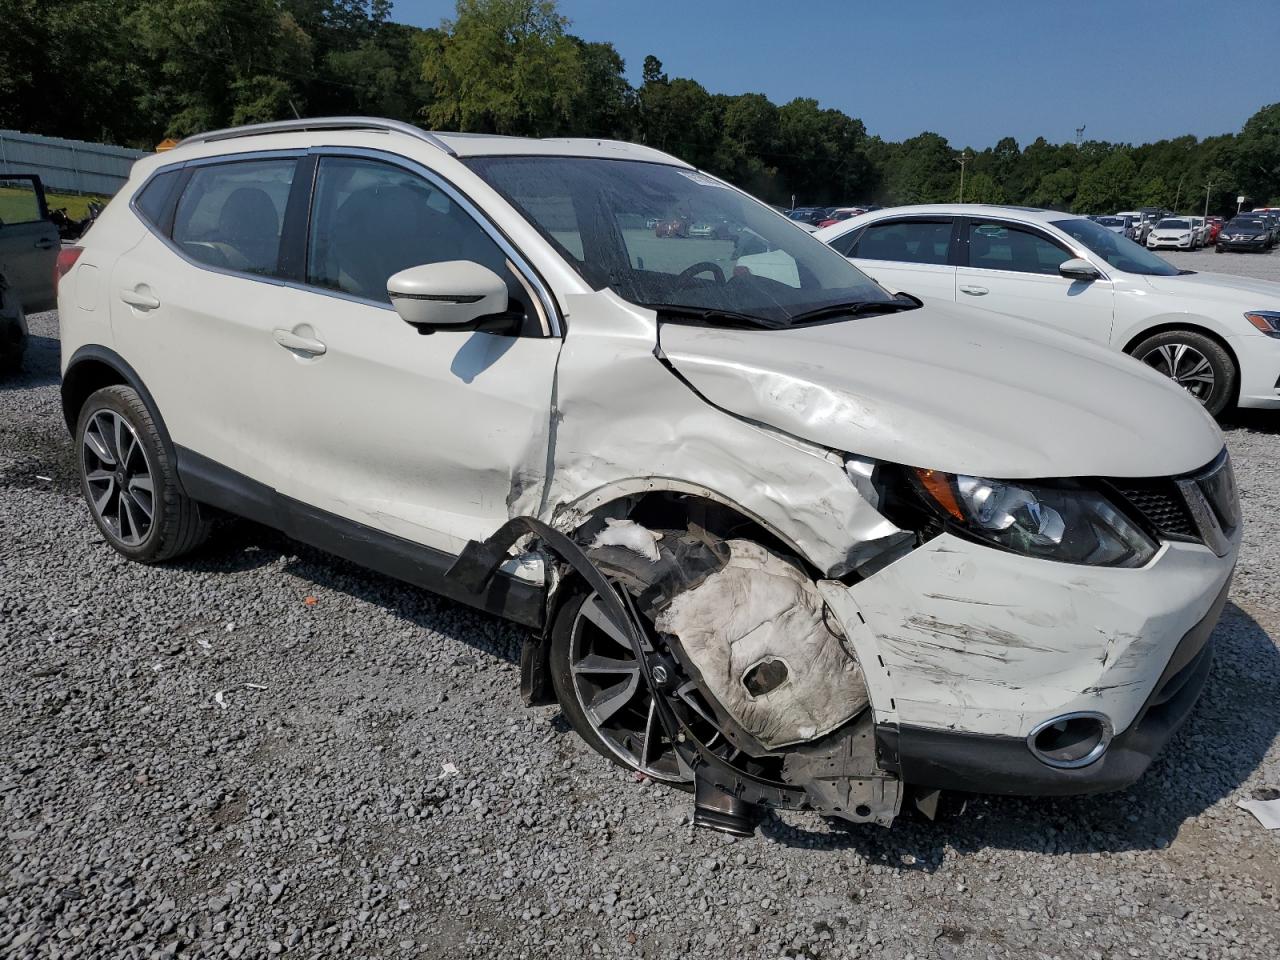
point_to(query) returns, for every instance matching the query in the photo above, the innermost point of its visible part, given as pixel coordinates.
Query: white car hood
(954, 389)
(1249, 293)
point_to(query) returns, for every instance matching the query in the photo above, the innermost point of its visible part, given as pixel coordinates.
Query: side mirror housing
(454, 295)
(1078, 269)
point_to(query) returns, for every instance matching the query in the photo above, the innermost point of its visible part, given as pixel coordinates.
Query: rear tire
(1195, 362)
(129, 481)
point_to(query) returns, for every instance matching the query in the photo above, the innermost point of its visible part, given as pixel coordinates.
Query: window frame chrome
(544, 303)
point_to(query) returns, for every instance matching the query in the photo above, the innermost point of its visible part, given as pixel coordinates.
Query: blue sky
(1130, 70)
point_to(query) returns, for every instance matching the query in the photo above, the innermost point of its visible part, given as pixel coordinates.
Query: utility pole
(1177, 197)
(1207, 187)
(962, 160)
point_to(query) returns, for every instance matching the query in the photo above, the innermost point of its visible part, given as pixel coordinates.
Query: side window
(370, 220)
(846, 242)
(19, 202)
(997, 246)
(231, 214)
(906, 241)
(153, 199)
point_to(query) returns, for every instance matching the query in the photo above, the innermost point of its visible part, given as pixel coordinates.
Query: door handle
(292, 341)
(973, 291)
(140, 297)
(44, 243)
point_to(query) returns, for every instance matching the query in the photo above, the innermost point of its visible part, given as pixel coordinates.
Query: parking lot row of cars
(1256, 230)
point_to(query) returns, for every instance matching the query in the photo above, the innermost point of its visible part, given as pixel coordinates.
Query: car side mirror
(1078, 269)
(454, 295)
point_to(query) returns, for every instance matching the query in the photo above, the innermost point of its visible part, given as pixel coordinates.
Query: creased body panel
(982, 641)
(952, 389)
(625, 424)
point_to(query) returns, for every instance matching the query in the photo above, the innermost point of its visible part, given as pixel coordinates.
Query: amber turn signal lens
(939, 487)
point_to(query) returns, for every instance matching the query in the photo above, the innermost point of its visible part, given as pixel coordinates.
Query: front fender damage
(749, 631)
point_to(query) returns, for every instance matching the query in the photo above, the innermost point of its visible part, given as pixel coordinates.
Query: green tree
(1257, 156)
(504, 66)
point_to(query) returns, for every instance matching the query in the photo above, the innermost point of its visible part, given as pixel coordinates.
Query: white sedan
(1176, 233)
(1218, 336)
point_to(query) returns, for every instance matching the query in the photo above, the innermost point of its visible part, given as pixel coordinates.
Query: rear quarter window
(153, 200)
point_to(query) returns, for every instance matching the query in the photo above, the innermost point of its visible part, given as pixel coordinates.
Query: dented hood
(954, 389)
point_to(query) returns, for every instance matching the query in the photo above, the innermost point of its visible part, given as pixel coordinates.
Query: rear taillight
(67, 258)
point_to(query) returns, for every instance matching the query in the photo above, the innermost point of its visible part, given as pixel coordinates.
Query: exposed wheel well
(1193, 328)
(81, 380)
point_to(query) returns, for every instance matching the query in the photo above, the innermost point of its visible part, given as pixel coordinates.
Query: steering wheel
(702, 266)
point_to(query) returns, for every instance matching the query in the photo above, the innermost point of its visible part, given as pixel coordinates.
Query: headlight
(1268, 321)
(1069, 524)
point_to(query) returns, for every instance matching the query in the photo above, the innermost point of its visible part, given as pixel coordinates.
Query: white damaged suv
(780, 536)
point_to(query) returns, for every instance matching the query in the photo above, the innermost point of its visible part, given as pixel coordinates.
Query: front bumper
(1258, 357)
(966, 649)
(983, 764)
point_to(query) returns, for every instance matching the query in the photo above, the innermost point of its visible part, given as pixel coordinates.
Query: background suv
(750, 504)
(1217, 336)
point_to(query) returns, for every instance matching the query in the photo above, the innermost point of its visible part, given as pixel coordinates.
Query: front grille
(1161, 504)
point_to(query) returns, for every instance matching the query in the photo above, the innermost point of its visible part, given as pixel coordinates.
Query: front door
(436, 438)
(28, 242)
(1013, 269)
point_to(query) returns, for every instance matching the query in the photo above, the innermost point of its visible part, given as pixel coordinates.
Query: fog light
(1071, 740)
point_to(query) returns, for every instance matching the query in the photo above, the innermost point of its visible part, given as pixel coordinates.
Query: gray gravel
(314, 814)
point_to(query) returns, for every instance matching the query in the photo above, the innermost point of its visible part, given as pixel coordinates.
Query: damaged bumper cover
(978, 763)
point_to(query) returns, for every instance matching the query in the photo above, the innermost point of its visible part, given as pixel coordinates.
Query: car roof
(453, 144)
(1024, 214)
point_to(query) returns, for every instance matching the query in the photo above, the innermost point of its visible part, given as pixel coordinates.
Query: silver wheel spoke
(100, 502)
(593, 611)
(93, 438)
(648, 730)
(612, 699)
(136, 502)
(595, 663)
(100, 476)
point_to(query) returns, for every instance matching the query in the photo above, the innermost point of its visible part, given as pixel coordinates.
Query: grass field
(17, 205)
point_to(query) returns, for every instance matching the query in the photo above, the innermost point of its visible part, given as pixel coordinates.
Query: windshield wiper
(855, 308)
(715, 315)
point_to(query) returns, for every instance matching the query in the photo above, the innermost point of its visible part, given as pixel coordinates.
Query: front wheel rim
(1184, 365)
(118, 478)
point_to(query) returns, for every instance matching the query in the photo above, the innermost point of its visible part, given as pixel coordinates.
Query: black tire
(1218, 249)
(1226, 377)
(177, 524)
(562, 681)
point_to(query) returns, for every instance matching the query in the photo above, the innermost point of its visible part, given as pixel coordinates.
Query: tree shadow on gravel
(1253, 421)
(40, 367)
(1222, 743)
(240, 545)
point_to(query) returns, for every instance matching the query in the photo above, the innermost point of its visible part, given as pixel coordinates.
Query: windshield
(1245, 226)
(1173, 225)
(1118, 250)
(665, 236)
(1110, 221)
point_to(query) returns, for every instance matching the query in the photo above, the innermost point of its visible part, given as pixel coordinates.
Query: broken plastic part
(760, 609)
(714, 809)
(628, 534)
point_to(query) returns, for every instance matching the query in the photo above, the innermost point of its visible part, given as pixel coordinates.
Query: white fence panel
(67, 166)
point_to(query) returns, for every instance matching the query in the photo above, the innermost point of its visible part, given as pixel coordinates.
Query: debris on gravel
(262, 751)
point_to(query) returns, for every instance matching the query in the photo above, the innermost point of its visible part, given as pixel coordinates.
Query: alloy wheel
(118, 477)
(1184, 365)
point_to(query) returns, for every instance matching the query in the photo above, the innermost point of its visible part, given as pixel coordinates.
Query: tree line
(136, 71)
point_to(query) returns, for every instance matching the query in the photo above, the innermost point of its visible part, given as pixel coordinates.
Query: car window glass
(153, 199)
(911, 242)
(19, 202)
(370, 220)
(996, 246)
(230, 215)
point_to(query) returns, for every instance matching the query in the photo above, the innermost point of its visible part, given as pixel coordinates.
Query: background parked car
(677, 227)
(1173, 233)
(1245, 232)
(839, 214)
(28, 252)
(1120, 224)
(1070, 273)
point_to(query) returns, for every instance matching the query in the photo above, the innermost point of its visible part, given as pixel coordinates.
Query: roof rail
(321, 123)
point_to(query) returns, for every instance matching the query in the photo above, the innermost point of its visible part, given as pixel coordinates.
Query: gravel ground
(263, 750)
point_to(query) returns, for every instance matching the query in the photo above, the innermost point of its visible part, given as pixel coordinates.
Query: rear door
(1012, 268)
(194, 301)
(28, 242)
(909, 255)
